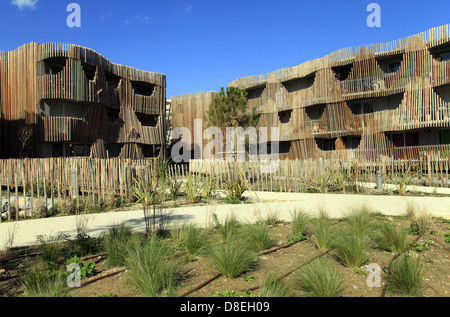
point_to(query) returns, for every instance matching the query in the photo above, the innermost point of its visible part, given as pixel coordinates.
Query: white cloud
(24, 4)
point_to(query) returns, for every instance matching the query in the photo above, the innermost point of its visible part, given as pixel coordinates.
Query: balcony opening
(444, 137)
(342, 72)
(285, 116)
(55, 108)
(443, 92)
(352, 142)
(390, 64)
(112, 80)
(326, 144)
(255, 92)
(51, 66)
(69, 150)
(147, 120)
(403, 139)
(315, 112)
(361, 107)
(89, 71)
(299, 83)
(142, 88)
(441, 53)
(113, 117)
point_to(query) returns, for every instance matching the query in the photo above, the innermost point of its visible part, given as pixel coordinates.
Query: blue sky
(202, 45)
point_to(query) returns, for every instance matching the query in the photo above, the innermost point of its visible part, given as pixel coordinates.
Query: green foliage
(360, 221)
(300, 221)
(235, 186)
(39, 282)
(415, 246)
(404, 178)
(273, 286)
(297, 238)
(407, 276)
(232, 258)
(193, 239)
(193, 188)
(84, 245)
(258, 236)
(175, 188)
(229, 109)
(447, 236)
(322, 234)
(144, 194)
(51, 249)
(228, 229)
(151, 266)
(231, 293)
(391, 237)
(86, 268)
(320, 279)
(350, 248)
(115, 244)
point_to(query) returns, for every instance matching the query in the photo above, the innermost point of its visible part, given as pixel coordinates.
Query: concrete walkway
(337, 205)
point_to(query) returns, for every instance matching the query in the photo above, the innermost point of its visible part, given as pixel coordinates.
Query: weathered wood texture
(35, 74)
(287, 98)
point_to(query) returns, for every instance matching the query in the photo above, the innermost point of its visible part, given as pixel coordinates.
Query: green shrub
(228, 228)
(258, 236)
(391, 238)
(41, 282)
(86, 268)
(360, 221)
(300, 221)
(231, 293)
(232, 258)
(115, 244)
(322, 234)
(51, 249)
(151, 266)
(349, 248)
(235, 186)
(319, 279)
(407, 276)
(273, 286)
(193, 239)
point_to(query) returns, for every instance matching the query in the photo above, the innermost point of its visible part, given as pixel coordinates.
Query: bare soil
(436, 257)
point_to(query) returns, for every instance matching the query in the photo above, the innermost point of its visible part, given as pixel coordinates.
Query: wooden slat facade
(417, 83)
(28, 82)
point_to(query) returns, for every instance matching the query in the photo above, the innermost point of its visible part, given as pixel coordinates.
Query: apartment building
(366, 102)
(66, 100)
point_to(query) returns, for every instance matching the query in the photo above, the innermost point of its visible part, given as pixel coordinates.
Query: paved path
(337, 205)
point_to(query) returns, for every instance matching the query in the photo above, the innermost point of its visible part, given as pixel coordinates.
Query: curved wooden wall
(23, 86)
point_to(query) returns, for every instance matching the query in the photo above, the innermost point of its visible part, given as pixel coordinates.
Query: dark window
(394, 67)
(299, 83)
(89, 71)
(326, 144)
(342, 72)
(142, 88)
(255, 92)
(147, 120)
(285, 116)
(112, 80)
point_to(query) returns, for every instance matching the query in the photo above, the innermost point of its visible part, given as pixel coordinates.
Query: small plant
(115, 244)
(231, 293)
(193, 188)
(360, 221)
(391, 238)
(447, 237)
(51, 249)
(235, 186)
(86, 268)
(407, 276)
(320, 279)
(258, 236)
(175, 188)
(350, 248)
(404, 178)
(233, 258)
(229, 228)
(300, 221)
(193, 239)
(151, 266)
(415, 246)
(424, 222)
(293, 238)
(273, 286)
(322, 236)
(41, 282)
